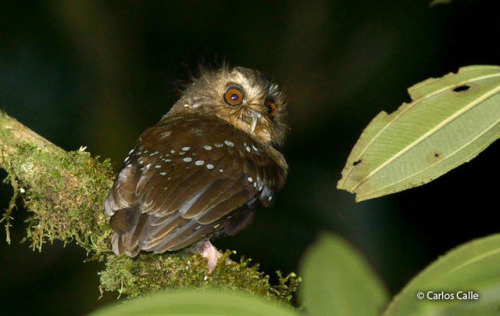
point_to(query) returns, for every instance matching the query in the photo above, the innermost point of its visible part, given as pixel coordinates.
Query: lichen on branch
(65, 193)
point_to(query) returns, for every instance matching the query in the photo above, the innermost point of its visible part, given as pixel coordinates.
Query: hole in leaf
(461, 88)
(357, 162)
(436, 155)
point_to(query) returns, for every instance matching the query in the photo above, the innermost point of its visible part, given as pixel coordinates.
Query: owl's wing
(188, 179)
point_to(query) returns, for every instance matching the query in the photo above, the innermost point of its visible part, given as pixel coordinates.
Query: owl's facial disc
(254, 103)
(243, 97)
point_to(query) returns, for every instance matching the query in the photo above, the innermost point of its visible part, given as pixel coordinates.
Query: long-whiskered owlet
(204, 167)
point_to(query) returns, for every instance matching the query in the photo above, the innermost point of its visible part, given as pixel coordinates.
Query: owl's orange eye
(234, 96)
(271, 107)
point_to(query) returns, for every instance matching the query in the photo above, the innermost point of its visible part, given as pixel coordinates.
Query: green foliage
(198, 302)
(439, 2)
(337, 281)
(449, 122)
(473, 266)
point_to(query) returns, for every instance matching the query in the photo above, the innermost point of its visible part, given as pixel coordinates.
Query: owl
(204, 168)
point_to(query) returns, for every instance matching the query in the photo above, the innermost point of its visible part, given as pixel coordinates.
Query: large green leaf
(198, 302)
(450, 121)
(338, 281)
(474, 266)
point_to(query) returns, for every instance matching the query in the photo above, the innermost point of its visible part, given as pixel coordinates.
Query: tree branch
(65, 192)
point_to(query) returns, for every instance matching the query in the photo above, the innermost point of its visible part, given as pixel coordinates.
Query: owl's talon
(208, 251)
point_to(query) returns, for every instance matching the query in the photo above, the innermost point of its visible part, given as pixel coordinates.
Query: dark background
(96, 74)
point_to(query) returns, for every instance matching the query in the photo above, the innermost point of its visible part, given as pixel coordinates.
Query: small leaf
(439, 2)
(198, 302)
(338, 281)
(474, 266)
(449, 122)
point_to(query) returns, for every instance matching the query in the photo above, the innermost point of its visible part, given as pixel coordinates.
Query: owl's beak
(254, 117)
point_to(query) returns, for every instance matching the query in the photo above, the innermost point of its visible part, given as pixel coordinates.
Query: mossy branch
(65, 192)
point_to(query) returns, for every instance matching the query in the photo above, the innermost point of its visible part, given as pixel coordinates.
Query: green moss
(151, 272)
(66, 194)
(287, 286)
(7, 217)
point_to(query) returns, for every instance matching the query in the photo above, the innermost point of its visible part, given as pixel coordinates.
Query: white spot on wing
(250, 179)
(218, 145)
(229, 143)
(186, 148)
(207, 147)
(199, 162)
(187, 159)
(210, 166)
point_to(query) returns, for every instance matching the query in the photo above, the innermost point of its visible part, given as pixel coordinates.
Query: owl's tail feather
(126, 223)
(122, 245)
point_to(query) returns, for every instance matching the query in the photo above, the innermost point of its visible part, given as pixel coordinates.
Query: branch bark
(65, 192)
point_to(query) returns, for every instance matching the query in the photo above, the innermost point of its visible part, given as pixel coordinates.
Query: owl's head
(243, 97)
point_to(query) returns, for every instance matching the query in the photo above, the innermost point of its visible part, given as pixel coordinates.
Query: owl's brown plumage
(204, 168)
